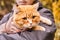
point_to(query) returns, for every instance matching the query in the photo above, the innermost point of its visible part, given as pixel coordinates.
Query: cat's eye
(24, 18)
(33, 16)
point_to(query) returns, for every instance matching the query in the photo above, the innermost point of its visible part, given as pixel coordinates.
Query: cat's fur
(26, 17)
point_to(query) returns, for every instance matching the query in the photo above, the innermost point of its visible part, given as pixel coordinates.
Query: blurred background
(53, 5)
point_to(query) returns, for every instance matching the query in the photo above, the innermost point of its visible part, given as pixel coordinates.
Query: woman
(31, 35)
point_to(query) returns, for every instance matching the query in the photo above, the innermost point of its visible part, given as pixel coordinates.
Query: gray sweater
(32, 35)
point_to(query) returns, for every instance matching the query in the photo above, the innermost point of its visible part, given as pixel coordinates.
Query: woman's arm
(5, 18)
(47, 13)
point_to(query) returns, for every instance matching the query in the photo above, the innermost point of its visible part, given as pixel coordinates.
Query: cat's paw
(45, 20)
(40, 28)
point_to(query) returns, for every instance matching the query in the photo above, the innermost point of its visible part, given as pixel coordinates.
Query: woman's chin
(22, 4)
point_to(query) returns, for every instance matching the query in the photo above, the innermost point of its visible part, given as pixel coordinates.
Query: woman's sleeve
(50, 29)
(6, 37)
(11, 37)
(5, 18)
(48, 14)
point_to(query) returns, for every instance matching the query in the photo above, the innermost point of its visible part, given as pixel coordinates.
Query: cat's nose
(30, 23)
(29, 20)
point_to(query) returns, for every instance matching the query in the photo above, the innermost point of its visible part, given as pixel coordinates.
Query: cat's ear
(36, 5)
(15, 8)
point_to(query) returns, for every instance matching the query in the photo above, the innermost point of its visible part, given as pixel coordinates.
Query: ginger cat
(26, 18)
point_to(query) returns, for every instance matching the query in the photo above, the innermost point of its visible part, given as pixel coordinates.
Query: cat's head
(27, 17)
